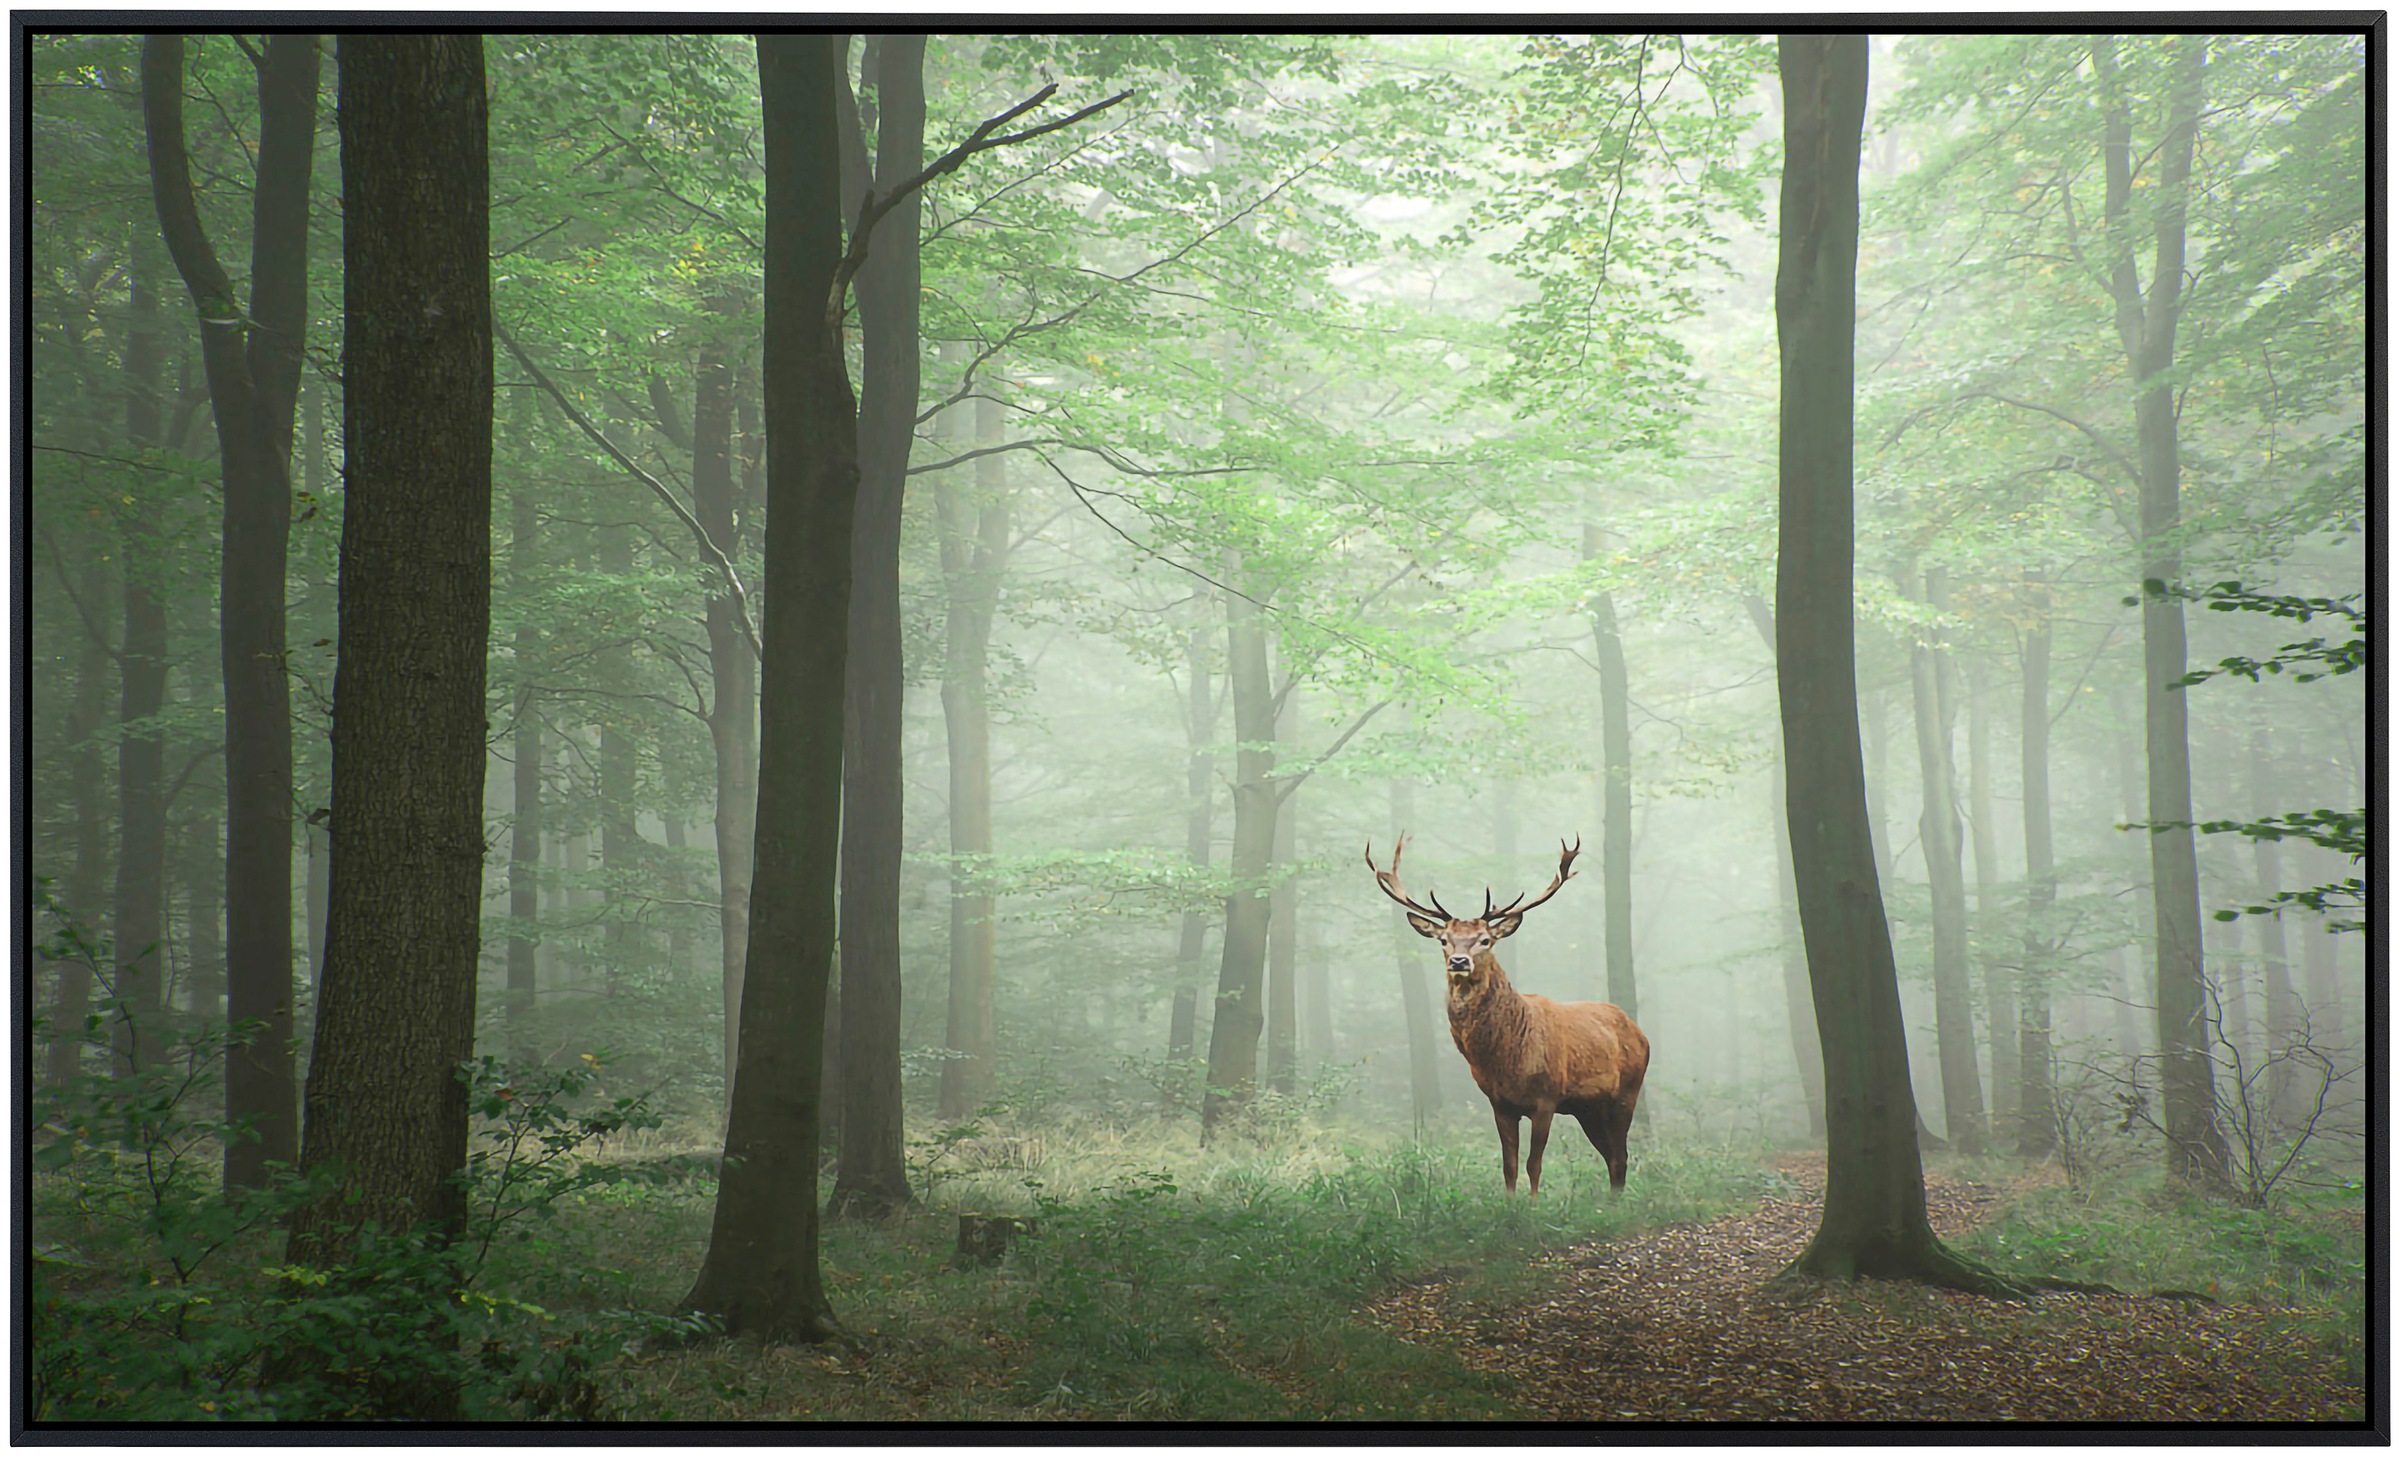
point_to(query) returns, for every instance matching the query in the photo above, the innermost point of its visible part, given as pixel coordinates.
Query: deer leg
(1619, 1118)
(1533, 1155)
(1507, 1122)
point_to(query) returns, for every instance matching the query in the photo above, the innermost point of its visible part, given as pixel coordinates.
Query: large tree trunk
(761, 1273)
(397, 1016)
(1238, 1017)
(974, 549)
(525, 833)
(733, 676)
(1874, 1218)
(873, 1179)
(138, 914)
(1283, 940)
(1938, 837)
(1200, 714)
(2146, 328)
(2037, 1118)
(1999, 985)
(253, 385)
(1416, 996)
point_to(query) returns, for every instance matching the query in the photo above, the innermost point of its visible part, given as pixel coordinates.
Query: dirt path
(1671, 1327)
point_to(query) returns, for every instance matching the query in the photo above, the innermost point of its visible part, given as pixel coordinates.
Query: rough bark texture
(397, 1013)
(253, 384)
(2146, 328)
(873, 1178)
(974, 551)
(1938, 838)
(761, 1274)
(2036, 1110)
(1874, 1219)
(1238, 1016)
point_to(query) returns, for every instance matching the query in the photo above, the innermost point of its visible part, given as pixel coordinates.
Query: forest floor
(1675, 1325)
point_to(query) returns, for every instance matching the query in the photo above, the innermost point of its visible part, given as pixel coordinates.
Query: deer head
(1467, 944)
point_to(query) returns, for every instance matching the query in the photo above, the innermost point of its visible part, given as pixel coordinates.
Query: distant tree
(253, 365)
(396, 1013)
(1934, 699)
(1874, 1220)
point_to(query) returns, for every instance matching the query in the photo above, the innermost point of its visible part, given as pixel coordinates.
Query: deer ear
(1425, 926)
(1503, 927)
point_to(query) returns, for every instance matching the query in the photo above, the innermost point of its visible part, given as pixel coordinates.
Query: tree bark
(2146, 328)
(872, 1179)
(396, 1019)
(974, 552)
(1938, 838)
(253, 386)
(2037, 1118)
(1999, 985)
(1874, 1217)
(761, 1273)
(1238, 1017)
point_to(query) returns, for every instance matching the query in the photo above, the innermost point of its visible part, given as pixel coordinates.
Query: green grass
(1167, 1281)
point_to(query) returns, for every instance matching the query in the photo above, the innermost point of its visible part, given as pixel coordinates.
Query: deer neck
(1487, 1003)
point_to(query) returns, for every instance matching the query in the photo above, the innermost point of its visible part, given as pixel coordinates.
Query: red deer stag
(1533, 1057)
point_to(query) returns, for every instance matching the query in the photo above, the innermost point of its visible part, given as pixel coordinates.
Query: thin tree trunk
(138, 915)
(974, 549)
(2284, 1093)
(733, 677)
(1616, 769)
(1999, 985)
(2319, 957)
(1283, 941)
(253, 386)
(1416, 997)
(2146, 328)
(525, 833)
(204, 915)
(1938, 839)
(86, 890)
(1238, 1017)
(761, 1274)
(385, 1104)
(1200, 713)
(2037, 1118)
(1874, 1215)
(872, 1178)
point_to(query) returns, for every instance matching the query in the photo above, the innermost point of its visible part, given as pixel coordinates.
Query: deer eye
(1483, 940)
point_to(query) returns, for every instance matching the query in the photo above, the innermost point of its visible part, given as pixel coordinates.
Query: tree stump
(984, 1238)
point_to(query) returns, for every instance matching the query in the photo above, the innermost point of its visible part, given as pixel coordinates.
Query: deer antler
(1566, 860)
(1390, 881)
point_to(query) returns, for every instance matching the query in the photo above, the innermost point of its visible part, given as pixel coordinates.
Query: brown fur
(1536, 1058)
